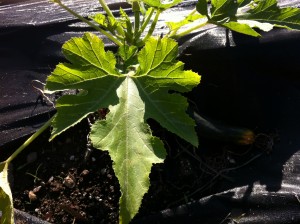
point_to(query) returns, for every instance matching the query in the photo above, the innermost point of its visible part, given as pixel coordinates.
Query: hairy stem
(145, 23)
(173, 33)
(109, 13)
(185, 32)
(136, 22)
(152, 27)
(108, 35)
(29, 140)
(105, 7)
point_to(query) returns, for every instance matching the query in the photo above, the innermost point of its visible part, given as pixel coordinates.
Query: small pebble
(72, 157)
(37, 189)
(72, 170)
(51, 179)
(32, 196)
(98, 198)
(69, 181)
(84, 173)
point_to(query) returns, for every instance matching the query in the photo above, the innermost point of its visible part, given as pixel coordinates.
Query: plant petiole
(136, 10)
(109, 13)
(188, 31)
(173, 33)
(105, 7)
(152, 27)
(144, 24)
(108, 35)
(29, 140)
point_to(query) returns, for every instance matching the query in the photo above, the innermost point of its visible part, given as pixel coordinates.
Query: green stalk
(173, 33)
(152, 27)
(109, 13)
(145, 23)
(30, 140)
(108, 35)
(192, 12)
(105, 7)
(136, 22)
(183, 33)
(142, 6)
(136, 11)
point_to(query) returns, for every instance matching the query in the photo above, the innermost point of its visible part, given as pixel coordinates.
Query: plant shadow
(252, 83)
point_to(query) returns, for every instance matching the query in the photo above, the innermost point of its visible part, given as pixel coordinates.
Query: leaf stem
(142, 7)
(108, 35)
(173, 33)
(145, 23)
(109, 13)
(29, 140)
(183, 33)
(152, 27)
(105, 7)
(136, 22)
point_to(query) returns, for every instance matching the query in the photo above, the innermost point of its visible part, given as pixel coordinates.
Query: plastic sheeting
(248, 81)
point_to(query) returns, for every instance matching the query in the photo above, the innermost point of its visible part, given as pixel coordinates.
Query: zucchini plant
(141, 80)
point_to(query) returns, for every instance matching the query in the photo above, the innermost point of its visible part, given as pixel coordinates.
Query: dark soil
(63, 183)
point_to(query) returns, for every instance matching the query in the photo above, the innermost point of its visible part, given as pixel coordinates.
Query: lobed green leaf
(132, 98)
(92, 70)
(243, 3)
(128, 55)
(131, 146)
(6, 205)
(159, 73)
(202, 7)
(267, 11)
(241, 28)
(191, 18)
(223, 9)
(262, 14)
(106, 22)
(162, 5)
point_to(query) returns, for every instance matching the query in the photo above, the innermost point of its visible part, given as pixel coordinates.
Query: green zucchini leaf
(261, 14)
(202, 7)
(151, 91)
(243, 3)
(131, 146)
(223, 10)
(162, 5)
(255, 24)
(92, 70)
(144, 95)
(191, 18)
(267, 11)
(241, 28)
(6, 205)
(160, 73)
(128, 55)
(106, 22)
